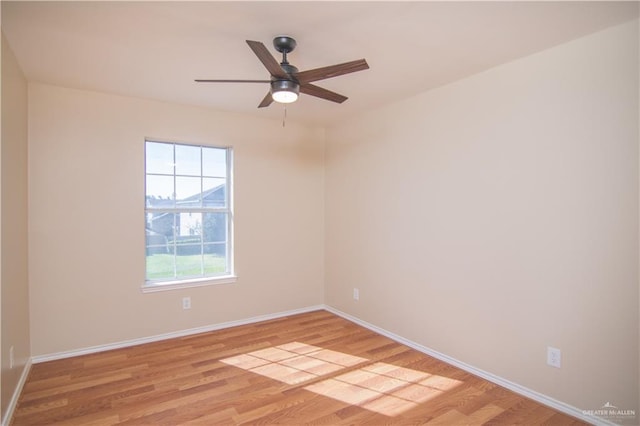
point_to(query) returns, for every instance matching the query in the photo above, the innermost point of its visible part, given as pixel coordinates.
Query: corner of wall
(15, 348)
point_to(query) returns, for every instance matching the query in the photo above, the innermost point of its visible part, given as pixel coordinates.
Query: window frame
(229, 276)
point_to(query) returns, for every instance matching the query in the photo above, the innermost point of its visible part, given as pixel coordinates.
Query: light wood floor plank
(314, 368)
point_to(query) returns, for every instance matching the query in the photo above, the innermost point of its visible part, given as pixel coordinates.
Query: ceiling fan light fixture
(286, 81)
(285, 91)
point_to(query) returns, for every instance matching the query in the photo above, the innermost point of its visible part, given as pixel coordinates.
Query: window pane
(215, 250)
(159, 191)
(160, 266)
(214, 227)
(159, 235)
(188, 192)
(214, 162)
(214, 194)
(157, 244)
(160, 228)
(188, 260)
(188, 160)
(215, 259)
(159, 158)
(188, 227)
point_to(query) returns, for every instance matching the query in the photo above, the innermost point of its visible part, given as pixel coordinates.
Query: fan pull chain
(284, 118)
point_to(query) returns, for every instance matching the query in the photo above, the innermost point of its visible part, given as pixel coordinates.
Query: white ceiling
(156, 49)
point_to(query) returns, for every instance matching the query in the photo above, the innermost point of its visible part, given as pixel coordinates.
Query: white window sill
(152, 287)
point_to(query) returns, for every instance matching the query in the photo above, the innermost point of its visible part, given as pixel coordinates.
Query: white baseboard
(6, 419)
(531, 394)
(134, 342)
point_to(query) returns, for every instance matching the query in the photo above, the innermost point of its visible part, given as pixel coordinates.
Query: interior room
(475, 198)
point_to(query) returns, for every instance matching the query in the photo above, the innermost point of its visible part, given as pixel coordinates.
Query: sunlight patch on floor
(294, 362)
(383, 388)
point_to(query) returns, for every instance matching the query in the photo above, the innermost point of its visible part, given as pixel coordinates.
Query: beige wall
(498, 215)
(14, 278)
(87, 220)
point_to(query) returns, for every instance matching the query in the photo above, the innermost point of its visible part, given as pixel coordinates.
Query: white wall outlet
(356, 294)
(11, 357)
(554, 357)
(186, 302)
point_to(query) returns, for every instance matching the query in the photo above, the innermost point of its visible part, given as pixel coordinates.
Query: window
(188, 214)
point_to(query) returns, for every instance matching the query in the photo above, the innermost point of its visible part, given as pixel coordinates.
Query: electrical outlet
(554, 357)
(11, 357)
(356, 294)
(186, 302)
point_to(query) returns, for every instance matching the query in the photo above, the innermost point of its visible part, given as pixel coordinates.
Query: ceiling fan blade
(266, 101)
(232, 81)
(267, 59)
(319, 92)
(331, 71)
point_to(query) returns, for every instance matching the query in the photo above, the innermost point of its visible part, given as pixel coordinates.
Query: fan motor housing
(285, 85)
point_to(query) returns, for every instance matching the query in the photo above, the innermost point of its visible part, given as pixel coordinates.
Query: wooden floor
(313, 368)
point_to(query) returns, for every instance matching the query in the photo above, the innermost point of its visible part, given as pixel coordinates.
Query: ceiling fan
(287, 82)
